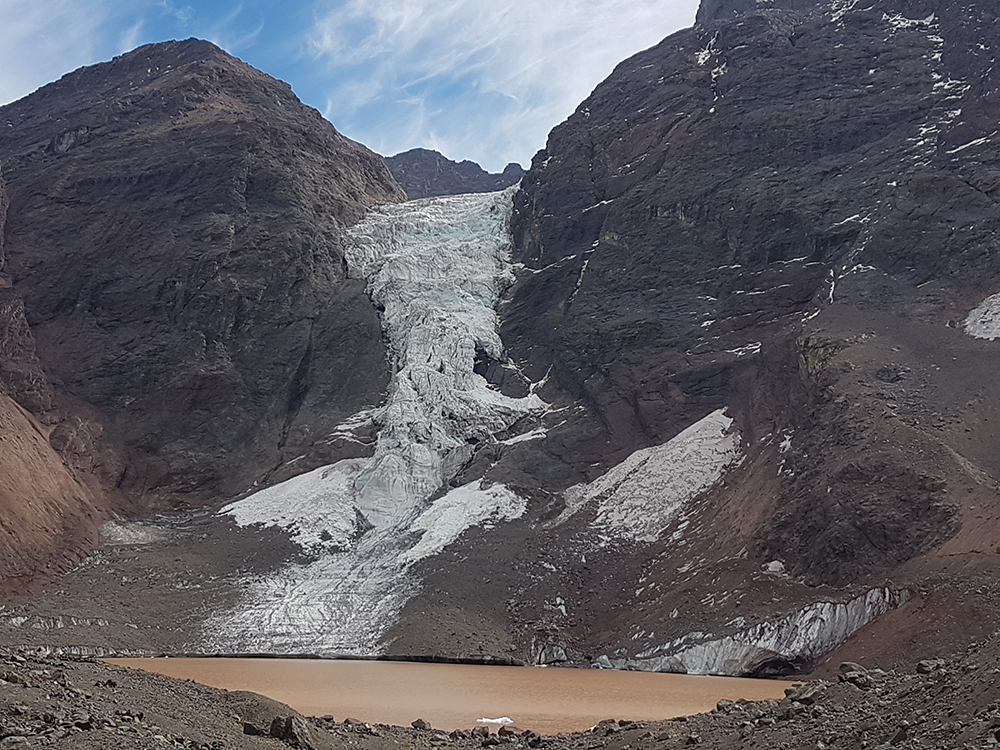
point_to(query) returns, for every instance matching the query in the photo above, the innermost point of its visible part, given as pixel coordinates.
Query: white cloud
(42, 41)
(130, 39)
(477, 80)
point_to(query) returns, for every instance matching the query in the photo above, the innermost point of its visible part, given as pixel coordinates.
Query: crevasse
(436, 269)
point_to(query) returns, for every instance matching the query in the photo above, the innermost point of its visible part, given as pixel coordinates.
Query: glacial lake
(547, 700)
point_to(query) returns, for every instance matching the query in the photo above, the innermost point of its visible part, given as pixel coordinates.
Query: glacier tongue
(436, 268)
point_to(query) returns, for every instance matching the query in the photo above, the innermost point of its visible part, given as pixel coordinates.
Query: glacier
(435, 268)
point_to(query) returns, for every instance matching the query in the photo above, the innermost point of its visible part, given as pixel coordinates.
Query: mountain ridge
(423, 173)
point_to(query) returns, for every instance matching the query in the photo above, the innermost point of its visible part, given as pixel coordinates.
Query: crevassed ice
(436, 268)
(641, 496)
(984, 321)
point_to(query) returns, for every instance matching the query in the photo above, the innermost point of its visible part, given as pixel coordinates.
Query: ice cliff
(802, 637)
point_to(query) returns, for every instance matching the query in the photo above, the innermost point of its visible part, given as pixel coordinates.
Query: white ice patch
(973, 144)
(744, 351)
(841, 8)
(641, 496)
(984, 321)
(317, 509)
(462, 508)
(899, 22)
(436, 267)
(119, 532)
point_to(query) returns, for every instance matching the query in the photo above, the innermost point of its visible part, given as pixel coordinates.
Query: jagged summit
(423, 173)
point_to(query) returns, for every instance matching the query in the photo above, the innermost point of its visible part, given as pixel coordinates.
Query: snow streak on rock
(436, 268)
(984, 321)
(641, 496)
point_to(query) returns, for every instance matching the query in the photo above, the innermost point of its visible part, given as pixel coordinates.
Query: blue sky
(475, 79)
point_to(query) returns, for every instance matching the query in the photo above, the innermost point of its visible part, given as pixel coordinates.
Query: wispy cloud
(130, 39)
(42, 41)
(479, 80)
(181, 13)
(473, 79)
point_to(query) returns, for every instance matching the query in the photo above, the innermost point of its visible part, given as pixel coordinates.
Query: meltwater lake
(546, 700)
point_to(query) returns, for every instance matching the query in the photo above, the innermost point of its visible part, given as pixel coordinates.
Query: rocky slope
(49, 513)
(423, 173)
(174, 229)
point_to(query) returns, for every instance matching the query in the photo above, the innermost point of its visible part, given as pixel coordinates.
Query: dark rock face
(174, 231)
(423, 173)
(718, 190)
(48, 511)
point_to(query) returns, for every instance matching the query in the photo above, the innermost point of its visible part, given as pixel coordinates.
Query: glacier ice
(436, 268)
(806, 634)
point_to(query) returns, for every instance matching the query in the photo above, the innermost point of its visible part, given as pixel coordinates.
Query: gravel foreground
(83, 703)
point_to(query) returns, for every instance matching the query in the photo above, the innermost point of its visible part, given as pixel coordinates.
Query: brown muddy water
(455, 696)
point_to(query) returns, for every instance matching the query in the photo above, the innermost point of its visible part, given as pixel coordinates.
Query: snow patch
(641, 496)
(984, 321)
(899, 22)
(841, 8)
(744, 351)
(121, 533)
(317, 509)
(972, 144)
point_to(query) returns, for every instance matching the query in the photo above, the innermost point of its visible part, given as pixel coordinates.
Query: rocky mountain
(423, 173)
(788, 216)
(709, 392)
(174, 230)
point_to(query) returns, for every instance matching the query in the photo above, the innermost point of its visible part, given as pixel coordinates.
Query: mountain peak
(424, 172)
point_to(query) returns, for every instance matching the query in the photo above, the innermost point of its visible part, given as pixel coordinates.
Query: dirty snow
(641, 496)
(806, 634)
(317, 509)
(120, 532)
